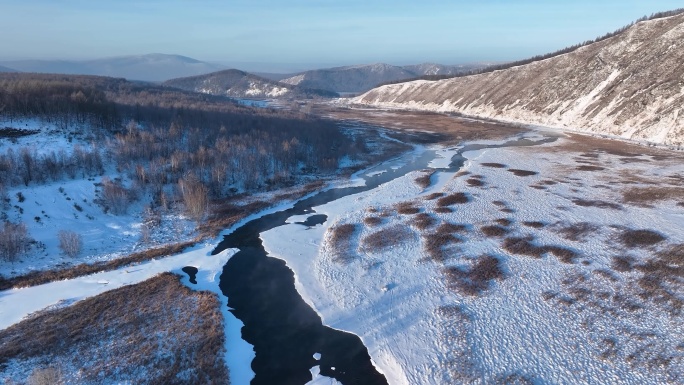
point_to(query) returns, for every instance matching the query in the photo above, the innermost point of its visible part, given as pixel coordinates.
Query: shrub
(70, 243)
(433, 196)
(195, 196)
(534, 224)
(372, 221)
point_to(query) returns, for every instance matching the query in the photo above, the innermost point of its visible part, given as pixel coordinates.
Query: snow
(391, 298)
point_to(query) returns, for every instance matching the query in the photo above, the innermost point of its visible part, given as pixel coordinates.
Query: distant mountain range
(152, 67)
(6, 69)
(361, 78)
(629, 84)
(240, 84)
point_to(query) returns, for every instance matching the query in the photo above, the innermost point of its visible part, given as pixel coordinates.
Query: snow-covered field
(571, 319)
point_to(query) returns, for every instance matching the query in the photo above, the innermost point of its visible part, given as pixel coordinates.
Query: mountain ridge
(629, 85)
(153, 67)
(240, 84)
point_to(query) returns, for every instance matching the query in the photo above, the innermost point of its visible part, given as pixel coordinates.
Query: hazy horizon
(304, 34)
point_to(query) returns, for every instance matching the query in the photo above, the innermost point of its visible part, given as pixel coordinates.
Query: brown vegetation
(443, 236)
(14, 240)
(518, 172)
(494, 230)
(596, 203)
(158, 327)
(423, 181)
(526, 246)
(477, 278)
(423, 221)
(452, 199)
(589, 168)
(640, 238)
(407, 208)
(576, 231)
(386, 238)
(494, 165)
(433, 196)
(443, 210)
(475, 182)
(341, 241)
(372, 221)
(648, 195)
(534, 224)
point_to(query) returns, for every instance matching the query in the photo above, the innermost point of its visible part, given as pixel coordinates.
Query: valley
(516, 223)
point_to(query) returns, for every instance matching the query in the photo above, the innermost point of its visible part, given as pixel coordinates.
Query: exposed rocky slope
(239, 84)
(361, 78)
(629, 85)
(152, 67)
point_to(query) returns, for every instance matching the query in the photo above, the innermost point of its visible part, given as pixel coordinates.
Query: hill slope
(630, 85)
(6, 69)
(240, 84)
(152, 67)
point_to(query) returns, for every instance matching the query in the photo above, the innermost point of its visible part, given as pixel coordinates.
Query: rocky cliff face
(630, 85)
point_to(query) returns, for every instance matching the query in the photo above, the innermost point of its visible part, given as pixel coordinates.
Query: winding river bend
(284, 330)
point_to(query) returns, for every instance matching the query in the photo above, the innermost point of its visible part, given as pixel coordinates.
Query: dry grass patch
(589, 168)
(452, 199)
(526, 246)
(640, 238)
(518, 172)
(504, 221)
(576, 231)
(424, 181)
(493, 165)
(436, 242)
(341, 242)
(477, 278)
(475, 182)
(443, 210)
(596, 203)
(373, 221)
(423, 221)
(407, 208)
(648, 195)
(494, 230)
(386, 238)
(434, 196)
(534, 224)
(158, 327)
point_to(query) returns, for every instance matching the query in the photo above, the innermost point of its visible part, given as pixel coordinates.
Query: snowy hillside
(239, 84)
(630, 85)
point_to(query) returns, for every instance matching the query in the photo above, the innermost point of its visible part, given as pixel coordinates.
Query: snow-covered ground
(531, 325)
(16, 304)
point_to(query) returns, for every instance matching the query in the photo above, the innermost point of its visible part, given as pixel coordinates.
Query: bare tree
(14, 240)
(70, 243)
(194, 195)
(45, 376)
(115, 196)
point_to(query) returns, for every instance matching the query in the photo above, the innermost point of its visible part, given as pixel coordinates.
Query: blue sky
(297, 34)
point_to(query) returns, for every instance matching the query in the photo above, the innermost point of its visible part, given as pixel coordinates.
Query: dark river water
(284, 330)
